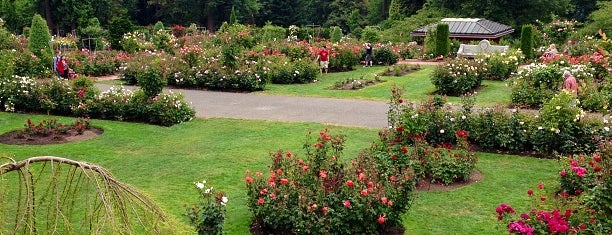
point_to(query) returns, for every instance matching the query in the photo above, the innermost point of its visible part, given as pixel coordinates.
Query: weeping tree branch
(84, 189)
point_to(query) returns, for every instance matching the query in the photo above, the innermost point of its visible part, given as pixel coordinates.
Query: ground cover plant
(134, 154)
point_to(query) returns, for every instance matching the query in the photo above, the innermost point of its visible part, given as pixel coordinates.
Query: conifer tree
(39, 39)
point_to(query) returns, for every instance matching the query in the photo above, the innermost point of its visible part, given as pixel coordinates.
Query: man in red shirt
(324, 59)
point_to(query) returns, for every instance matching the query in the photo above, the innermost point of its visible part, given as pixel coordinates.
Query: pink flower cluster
(520, 227)
(504, 209)
(556, 222)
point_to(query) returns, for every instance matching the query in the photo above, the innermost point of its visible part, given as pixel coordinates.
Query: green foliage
(98, 63)
(117, 27)
(535, 84)
(370, 34)
(272, 32)
(208, 216)
(158, 26)
(442, 40)
(458, 76)
(384, 55)
(343, 58)
(7, 64)
(501, 65)
(151, 80)
(163, 40)
(371, 194)
(93, 34)
(395, 10)
(233, 18)
(39, 39)
(168, 109)
(7, 39)
(336, 34)
(527, 43)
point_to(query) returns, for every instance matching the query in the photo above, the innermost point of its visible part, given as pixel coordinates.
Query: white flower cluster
(209, 191)
(12, 89)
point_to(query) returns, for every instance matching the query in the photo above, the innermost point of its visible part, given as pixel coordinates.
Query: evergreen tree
(117, 27)
(442, 40)
(39, 39)
(336, 34)
(395, 10)
(527, 41)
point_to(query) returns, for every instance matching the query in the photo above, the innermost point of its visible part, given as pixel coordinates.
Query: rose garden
(542, 155)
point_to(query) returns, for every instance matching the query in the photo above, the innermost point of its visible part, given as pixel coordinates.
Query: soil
(17, 138)
(256, 229)
(427, 186)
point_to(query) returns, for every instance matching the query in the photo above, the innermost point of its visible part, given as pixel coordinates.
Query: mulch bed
(17, 137)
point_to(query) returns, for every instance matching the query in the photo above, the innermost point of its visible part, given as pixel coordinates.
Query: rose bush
(320, 194)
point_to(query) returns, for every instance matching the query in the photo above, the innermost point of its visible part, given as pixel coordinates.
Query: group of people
(323, 57)
(61, 68)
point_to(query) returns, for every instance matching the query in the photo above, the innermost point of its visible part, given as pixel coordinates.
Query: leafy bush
(167, 109)
(336, 34)
(19, 94)
(151, 80)
(27, 64)
(117, 27)
(496, 129)
(458, 76)
(501, 65)
(370, 34)
(318, 194)
(163, 40)
(272, 33)
(208, 216)
(384, 55)
(535, 84)
(527, 41)
(96, 63)
(343, 58)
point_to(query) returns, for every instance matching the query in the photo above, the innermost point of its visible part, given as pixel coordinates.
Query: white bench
(483, 47)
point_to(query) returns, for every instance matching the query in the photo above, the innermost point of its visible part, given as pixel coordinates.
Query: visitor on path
(63, 68)
(570, 83)
(56, 59)
(323, 57)
(551, 51)
(368, 54)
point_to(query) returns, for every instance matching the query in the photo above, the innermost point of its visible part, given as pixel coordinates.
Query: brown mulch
(427, 186)
(17, 138)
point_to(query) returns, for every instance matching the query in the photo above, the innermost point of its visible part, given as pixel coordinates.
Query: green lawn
(418, 87)
(165, 161)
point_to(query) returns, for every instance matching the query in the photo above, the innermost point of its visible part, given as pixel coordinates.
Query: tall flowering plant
(207, 217)
(459, 76)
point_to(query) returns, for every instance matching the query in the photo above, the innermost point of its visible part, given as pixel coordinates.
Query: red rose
(324, 209)
(596, 158)
(530, 192)
(272, 196)
(361, 177)
(289, 154)
(301, 162)
(364, 192)
(381, 219)
(249, 180)
(284, 181)
(349, 183)
(279, 172)
(322, 174)
(390, 203)
(305, 168)
(263, 192)
(399, 128)
(543, 199)
(540, 185)
(393, 156)
(384, 200)
(597, 168)
(370, 184)
(392, 178)
(404, 149)
(563, 173)
(260, 201)
(347, 203)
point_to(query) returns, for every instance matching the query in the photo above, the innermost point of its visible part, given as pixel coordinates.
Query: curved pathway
(344, 112)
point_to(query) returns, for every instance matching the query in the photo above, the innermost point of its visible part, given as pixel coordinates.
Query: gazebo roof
(469, 28)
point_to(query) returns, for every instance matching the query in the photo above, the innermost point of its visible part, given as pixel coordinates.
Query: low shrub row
(560, 127)
(80, 98)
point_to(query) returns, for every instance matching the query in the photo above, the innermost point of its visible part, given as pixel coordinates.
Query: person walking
(368, 54)
(323, 57)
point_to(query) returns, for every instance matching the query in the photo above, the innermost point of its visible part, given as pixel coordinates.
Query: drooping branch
(81, 197)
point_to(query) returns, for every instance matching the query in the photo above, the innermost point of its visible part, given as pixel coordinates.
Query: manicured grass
(417, 84)
(164, 162)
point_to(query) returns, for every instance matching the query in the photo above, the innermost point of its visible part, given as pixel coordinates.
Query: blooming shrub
(207, 217)
(535, 84)
(385, 56)
(49, 127)
(458, 76)
(135, 41)
(169, 108)
(318, 194)
(96, 63)
(501, 65)
(583, 204)
(19, 93)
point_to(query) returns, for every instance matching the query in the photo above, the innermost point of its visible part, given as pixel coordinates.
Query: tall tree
(341, 13)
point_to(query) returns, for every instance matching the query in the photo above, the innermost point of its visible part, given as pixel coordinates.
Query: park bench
(483, 47)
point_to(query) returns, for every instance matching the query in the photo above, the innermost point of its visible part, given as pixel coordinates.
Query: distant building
(469, 29)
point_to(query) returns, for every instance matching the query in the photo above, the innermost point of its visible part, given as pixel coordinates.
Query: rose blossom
(349, 183)
(261, 201)
(249, 180)
(347, 203)
(381, 219)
